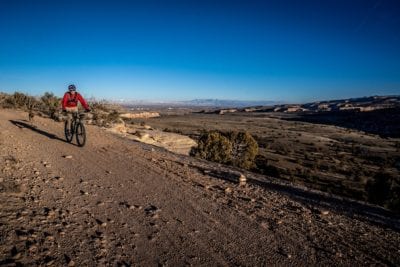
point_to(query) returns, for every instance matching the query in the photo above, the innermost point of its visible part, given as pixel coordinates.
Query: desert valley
(150, 187)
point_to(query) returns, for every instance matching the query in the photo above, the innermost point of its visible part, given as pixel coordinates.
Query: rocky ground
(173, 142)
(116, 202)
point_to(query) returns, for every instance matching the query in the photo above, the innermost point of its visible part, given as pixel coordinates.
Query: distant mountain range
(361, 103)
(227, 103)
(211, 103)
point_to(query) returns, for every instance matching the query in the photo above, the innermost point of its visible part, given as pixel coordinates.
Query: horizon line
(176, 101)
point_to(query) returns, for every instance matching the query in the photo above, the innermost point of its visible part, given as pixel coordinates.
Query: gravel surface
(116, 202)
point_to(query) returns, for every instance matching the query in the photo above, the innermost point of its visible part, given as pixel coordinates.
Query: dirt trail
(121, 203)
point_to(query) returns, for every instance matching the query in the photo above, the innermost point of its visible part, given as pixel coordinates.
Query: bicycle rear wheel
(69, 131)
(80, 134)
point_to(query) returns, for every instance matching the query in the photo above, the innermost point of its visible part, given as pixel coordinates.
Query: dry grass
(324, 157)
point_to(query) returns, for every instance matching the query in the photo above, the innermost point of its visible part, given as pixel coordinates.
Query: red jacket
(70, 101)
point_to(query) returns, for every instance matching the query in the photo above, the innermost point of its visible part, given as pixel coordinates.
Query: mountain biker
(70, 102)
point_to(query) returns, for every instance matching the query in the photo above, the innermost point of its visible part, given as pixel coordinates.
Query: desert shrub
(113, 116)
(50, 104)
(8, 103)
(104, 118)
(100, 113)
(3, 97)
(97, 115)
(384, 190)
(32, 103)
(234, 148)
(213, 146)
(244, 149)
(18, 100)
(99, 106)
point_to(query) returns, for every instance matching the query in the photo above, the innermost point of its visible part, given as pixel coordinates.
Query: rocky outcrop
(363, 104)
(141, 115)
(224, 111)
(118, 127)
(173, 142)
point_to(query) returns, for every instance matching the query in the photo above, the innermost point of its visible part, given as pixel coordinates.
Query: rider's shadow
(21, 124)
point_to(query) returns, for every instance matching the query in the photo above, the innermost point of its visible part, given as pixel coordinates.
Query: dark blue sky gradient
(165, 50)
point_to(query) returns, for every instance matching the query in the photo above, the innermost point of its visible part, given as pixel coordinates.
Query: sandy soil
(116, 202)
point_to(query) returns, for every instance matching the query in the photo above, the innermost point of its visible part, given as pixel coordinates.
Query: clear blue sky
(179, 50)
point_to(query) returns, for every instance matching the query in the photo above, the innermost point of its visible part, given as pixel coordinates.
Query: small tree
(214, 147)
(244, 149)
(234, 148)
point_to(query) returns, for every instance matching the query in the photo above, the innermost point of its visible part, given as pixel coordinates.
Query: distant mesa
(363, 104)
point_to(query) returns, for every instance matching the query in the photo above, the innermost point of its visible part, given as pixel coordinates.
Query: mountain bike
(76, 128)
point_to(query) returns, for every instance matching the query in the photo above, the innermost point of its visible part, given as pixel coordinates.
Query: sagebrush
(234, 148)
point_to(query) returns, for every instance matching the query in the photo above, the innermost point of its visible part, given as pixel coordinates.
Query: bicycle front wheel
(80, 134)
(69, 131)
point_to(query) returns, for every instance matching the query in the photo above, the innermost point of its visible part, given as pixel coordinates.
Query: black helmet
(71, 87)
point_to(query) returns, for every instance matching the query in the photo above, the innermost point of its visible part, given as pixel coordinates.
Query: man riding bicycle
(70, 103)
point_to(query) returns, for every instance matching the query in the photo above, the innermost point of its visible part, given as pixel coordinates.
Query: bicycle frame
(77, 128)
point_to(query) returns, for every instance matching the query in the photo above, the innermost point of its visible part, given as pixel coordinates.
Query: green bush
(244, 149)
(234, 148)
(213, 146)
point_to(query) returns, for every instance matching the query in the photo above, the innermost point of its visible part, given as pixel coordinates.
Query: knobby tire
(69, 136)
(80, 134)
